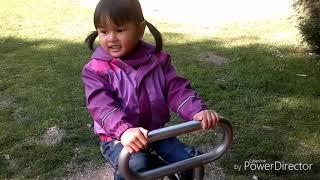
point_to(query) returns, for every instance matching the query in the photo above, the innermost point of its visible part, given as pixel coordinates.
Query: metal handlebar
(180, 166)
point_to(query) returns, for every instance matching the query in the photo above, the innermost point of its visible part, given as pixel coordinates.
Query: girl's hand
(209, 119)
(134, 139)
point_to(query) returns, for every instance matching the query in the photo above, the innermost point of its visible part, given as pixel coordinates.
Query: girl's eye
(103, 32)
(120, 30)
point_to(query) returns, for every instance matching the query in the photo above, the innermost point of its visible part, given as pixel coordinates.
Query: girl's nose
(112, 37)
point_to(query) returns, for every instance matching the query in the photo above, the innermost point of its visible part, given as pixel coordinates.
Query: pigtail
(157, 36)
(90, 39)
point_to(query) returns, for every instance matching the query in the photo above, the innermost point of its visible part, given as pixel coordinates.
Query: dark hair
(120, 12)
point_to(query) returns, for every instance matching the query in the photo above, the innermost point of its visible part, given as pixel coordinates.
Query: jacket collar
(143, 54)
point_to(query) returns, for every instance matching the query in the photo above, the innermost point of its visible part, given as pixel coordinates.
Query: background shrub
(308, 16)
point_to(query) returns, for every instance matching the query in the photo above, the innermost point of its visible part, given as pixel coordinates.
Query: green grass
(42, 54)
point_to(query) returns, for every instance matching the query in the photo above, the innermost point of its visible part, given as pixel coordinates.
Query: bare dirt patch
(213, 172)
(213, 58)
(52, 136)
(92, 171)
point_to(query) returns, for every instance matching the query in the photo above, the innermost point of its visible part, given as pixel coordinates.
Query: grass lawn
(269, 89)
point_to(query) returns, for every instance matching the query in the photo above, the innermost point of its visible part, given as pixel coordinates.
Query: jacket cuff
(190, 108)
(121, 129)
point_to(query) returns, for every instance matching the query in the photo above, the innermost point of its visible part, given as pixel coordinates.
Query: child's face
(119, 41)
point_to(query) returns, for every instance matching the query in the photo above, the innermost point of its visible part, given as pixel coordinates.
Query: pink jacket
(119, 97)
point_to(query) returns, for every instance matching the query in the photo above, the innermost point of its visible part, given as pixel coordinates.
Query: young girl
(130, 86)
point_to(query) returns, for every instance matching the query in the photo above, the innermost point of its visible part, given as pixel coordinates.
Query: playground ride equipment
(196, 163)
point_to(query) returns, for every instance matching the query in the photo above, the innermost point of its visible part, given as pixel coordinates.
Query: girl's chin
(116, 54)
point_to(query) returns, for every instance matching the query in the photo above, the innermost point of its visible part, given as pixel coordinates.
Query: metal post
(198, 173)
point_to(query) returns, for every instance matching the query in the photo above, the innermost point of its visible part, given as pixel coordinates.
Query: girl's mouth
(115, 47)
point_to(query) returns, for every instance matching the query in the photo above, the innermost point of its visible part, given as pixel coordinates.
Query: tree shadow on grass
(274, 111)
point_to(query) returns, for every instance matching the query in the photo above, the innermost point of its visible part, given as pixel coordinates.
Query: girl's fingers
(129, 149)
(143, 137)
(215, 119)
(141, 142)
(134, 139)
(134, 147)
(204, 121)
(211, 120)
(138, 143)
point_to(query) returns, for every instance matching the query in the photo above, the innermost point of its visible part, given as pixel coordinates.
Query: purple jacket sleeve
(102, 106)
(182, 99)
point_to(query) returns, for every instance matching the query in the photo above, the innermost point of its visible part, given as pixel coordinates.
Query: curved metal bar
(190, 163)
